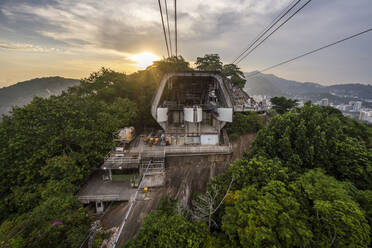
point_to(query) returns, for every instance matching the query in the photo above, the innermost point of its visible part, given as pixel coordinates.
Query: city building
(324, 102)
(357, 106)
(365, 115)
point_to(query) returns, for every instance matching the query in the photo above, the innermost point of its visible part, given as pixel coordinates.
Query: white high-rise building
(365, 116)
(357, 106)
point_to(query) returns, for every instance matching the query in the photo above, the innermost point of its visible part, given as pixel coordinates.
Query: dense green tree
(60, 141)
(237, 76)
(258, 171)
(336, 218)
(238, 81)
(364, 198)
(49, 147)
(314, 210)
(246, 123)
(282, 104)
(356, 129)
(170, 64)
(267, 217)
(314, 138)
(166, 227)
(229, 70)
(210, 62)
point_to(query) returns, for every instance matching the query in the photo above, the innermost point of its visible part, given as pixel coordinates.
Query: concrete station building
(193, 107)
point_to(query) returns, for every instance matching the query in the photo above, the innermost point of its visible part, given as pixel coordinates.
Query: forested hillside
(49, 148)
(305, 183)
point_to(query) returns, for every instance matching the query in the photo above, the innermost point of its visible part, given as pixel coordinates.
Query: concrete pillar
(212, 169)
(100, 207)
(110, 174)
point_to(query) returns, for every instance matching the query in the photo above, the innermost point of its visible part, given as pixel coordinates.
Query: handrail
(200, 149)
(122, 159)
(98, 197)
(241, 108)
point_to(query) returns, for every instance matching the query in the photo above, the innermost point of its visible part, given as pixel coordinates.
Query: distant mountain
(22, 93)
(271, 85)
(352, 90)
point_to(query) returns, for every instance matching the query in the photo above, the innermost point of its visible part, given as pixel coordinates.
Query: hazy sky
(73, 38)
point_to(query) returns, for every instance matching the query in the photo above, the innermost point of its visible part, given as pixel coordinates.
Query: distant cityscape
(354, 109)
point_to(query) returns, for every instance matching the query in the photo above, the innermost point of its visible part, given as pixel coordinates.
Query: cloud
(90, 24)
(132, 25)
(117, 29)
(27, 47)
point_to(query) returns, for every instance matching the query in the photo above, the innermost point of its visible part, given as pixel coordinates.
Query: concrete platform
(97, 190)
(156, 179)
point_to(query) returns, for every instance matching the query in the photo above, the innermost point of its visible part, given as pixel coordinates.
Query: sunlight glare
(144, 59)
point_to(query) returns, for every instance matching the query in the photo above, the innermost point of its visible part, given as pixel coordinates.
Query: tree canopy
(282, 104)
(316, 138)
(210, 62)
(167, 227)
(49, 148)
(237, 76)
(305, 183)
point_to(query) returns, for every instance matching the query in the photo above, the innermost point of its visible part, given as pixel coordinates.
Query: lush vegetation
(169, 227)
(244, 123)
(49, 148)
(305, 183)
(282, 104)
(212, 62)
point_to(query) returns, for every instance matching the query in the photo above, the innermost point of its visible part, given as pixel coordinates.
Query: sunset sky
(72, 38)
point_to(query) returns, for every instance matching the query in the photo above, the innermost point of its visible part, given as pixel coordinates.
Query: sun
(144, 59)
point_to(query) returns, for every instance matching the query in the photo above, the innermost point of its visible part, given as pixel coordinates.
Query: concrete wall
(154, 180)
(162, 114)
(209, 139)
(225, 114)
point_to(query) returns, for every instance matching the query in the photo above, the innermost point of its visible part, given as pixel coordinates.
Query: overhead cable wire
(312, 51)
(169, 36)
(162, 21)
(270, 26)
(289, 18)
(175, 26)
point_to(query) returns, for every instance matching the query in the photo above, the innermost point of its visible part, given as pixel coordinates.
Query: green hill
(22, 93)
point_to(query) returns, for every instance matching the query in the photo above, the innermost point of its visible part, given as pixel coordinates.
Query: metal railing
(242, 108)
(199, 149)
(99, 197)
(121, 160)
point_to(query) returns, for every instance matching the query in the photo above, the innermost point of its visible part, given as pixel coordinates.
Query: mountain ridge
(272, 85)
(22, 93)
